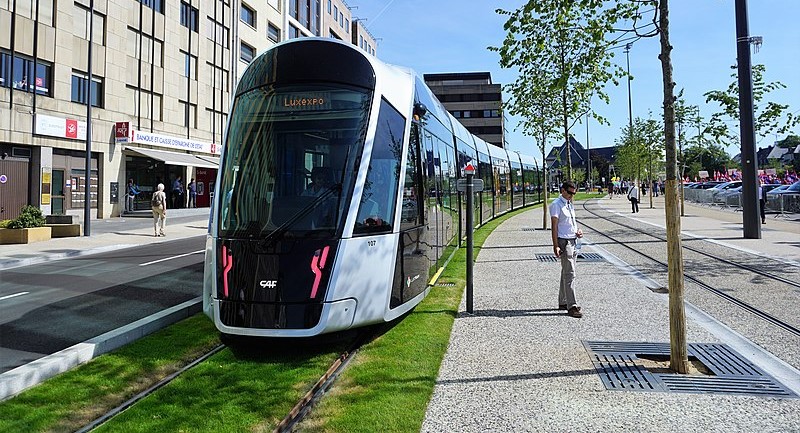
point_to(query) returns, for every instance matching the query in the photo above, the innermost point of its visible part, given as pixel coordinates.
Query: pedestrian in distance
(192, 187)
(131, 192)
(633, 196)
(177, 193)
(565, 233)
(159, 206)
(762, 201)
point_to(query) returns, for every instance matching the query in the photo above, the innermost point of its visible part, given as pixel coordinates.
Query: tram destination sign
(477, 185)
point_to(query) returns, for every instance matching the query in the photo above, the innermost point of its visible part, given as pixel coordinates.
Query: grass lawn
(388, 385)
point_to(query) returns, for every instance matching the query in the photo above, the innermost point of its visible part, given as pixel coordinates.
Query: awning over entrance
(174, 158)
(215, 159)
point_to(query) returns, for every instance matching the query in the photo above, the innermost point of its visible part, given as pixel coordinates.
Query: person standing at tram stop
(762, 201)
(130, 193)
(192, 187)
(565, 233)
(159, 205)
(177, 193)
(633, 196)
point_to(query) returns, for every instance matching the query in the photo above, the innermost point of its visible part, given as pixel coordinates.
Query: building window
(189, 114)
(28, 9)
(273, 33)
(190, 65)
(329, 6)
(189, 16)
(294, 32)
(80, 82)
(335, 13)
(218, 33)
(248, 16)
(24, 78)
(341, 19)
(80, 24)
(247, 53)
(142, 46)
(276, 4)
(347, 26)
(156, 5)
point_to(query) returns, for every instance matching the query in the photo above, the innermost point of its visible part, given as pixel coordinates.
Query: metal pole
(469, 241)
(630, 104)
(588, 158)
(87, 194)
(750, 217)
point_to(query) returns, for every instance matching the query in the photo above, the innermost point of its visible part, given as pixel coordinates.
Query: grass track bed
(386, 387)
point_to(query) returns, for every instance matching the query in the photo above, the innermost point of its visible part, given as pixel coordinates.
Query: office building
(160, 83)
(474, 100)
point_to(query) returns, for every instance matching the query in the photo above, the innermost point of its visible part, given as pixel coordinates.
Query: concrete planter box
(24, 236)
(64, 230)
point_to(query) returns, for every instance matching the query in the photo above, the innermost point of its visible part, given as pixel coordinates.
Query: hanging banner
(59, 127)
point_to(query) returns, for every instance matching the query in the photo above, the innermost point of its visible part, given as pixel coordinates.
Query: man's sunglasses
(570, 192)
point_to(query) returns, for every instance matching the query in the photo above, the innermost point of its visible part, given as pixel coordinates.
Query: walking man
(633, 196)
(565, 233)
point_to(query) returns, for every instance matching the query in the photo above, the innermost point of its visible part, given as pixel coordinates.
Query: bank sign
(141, 137)
(60, 127)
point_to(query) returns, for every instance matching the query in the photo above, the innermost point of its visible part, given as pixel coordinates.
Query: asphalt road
(50, 306)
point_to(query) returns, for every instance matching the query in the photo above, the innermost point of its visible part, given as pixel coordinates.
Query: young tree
(561, 50)
(770, 117)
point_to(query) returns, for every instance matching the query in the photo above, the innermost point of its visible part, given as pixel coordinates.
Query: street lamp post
(630, 105)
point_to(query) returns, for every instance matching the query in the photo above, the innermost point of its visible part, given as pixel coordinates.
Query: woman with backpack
(159, 205)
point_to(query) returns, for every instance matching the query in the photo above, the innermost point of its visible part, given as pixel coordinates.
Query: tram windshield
(290, 158)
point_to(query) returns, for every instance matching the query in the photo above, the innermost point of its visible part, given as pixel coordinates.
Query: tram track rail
(150, 390)
(708, 287)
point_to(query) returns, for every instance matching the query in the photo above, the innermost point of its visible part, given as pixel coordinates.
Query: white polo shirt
(565, 212)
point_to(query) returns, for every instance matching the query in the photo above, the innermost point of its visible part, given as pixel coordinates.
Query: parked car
(777, 190)
(724, 187)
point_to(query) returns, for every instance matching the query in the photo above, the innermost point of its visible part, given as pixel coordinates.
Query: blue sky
(452, 35)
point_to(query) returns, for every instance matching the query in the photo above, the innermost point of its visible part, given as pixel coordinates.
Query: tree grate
(582, 257)
(445, 284)
(620, 368)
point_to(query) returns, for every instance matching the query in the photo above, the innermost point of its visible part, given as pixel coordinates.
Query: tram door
(415, 248)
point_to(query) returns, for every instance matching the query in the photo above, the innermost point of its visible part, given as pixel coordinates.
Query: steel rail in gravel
(741, 304)
(695, 250)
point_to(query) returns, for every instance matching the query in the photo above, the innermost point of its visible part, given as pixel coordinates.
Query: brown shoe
(575, 312)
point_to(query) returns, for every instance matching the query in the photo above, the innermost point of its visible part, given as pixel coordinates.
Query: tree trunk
(566, 120)
(679, 359)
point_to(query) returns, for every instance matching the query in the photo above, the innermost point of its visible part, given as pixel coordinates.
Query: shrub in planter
(4, 223)
(29, 217)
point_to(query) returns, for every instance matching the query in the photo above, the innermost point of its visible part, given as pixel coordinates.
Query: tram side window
(411, 204)
(377, 208)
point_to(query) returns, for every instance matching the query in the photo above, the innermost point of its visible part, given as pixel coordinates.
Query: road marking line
(170, 258)
(3, 298)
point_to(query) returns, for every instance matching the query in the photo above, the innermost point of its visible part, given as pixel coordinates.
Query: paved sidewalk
(519, 363)
(107, 234)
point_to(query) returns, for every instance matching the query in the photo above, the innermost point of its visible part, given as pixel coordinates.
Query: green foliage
(710, 158)
(769, 117)
(29, 217)
(563, 58)
(790, 142)
(640, 151)
(4, 223)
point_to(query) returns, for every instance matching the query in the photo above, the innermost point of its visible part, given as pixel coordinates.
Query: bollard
(470, 171)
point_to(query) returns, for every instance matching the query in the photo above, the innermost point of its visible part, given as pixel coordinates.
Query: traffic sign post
(469, 171)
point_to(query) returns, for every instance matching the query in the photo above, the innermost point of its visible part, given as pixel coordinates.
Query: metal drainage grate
(445, 284)
(531, 229)
(582, 257)
(590, 257)
(620, 368)
(547, 258)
